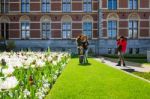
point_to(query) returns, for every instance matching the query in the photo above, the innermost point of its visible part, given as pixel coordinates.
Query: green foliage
(48, 51)
(10, 45)
(137, 56)
(33, 79)
(137, 60)
(90, 52)
(145, 75)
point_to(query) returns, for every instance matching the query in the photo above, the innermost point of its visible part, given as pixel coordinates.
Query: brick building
(56, 23)
(130, 18)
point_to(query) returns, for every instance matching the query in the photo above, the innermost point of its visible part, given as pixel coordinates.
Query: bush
(10, 45)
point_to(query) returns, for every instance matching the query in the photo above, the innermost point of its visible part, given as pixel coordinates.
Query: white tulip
(10, 82)
(8, 71)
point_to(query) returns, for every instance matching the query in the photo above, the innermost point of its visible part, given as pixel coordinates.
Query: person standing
(79, 43)
(121, 48)
(80, 48)
(85, 48)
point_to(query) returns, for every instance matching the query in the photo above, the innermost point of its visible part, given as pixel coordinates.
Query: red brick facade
(55, 15)
(123, 12)
(77, 15)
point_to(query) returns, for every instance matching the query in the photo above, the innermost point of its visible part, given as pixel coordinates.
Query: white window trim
(21, 7)
(41, 7)
(5, 6)
(117, 5)
(91, 7)
(21, 29)
(62, 7)
(62, 31)
(117, 34)
(50, 36)
(138, 35)
(92, 27)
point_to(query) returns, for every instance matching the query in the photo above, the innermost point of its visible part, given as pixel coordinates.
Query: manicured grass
(143, 75)
(148, 64)
(138, 58)
(97, 81)
(142, 61)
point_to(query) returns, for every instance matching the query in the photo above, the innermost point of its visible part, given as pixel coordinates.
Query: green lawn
(141, 61)
(145, 75)
(97, 81)
(138, 58)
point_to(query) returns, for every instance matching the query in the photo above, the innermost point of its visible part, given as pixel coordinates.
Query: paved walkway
(131, 66)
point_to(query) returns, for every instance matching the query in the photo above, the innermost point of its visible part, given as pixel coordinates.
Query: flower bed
(29, 75)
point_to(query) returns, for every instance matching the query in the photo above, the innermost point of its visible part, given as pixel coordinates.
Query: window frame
(111, 28)
(25, 30)
(25, 6)
(47, 5)
(86, 4)
(66, 30)
(47, 31)
(113, 6)
(132, 5)
(133, 28)
(4, 6)
(65, 5)
(90, 36)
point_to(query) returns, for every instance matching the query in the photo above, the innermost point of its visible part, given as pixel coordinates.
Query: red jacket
(123, 44)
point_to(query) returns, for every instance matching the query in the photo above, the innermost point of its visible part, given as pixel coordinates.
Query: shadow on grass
(86, 64)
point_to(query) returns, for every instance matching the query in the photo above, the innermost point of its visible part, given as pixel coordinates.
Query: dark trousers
(121, 57)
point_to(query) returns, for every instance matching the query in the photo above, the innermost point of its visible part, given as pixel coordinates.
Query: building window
(133, 29)
(66, 5)
(133, 4)
(87, 29)
(46, 30)
(109, 50)
(25, 30)
(25, 6)
(137, 50)
(112, 4)
(116, 50)
(4, 6)
(4, 30)
(112, 29)
(130, 50)
(45, 5)
(87, 6)
(66, 30)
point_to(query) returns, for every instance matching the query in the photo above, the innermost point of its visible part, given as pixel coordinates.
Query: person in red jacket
(121, 48)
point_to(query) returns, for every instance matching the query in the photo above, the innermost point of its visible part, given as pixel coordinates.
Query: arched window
(66, 5)
(25, 6)
(87, 5)
(66, 27)
(4, 27)
(133, 26)
(88, 26)
(45, 5)
(112, 25)
(45, 27)
(25, 27)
